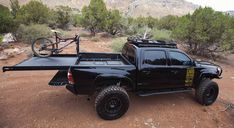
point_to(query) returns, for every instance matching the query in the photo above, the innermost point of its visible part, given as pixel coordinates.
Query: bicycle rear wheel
(42, 47)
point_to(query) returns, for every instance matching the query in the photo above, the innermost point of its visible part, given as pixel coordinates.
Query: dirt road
(27, 101)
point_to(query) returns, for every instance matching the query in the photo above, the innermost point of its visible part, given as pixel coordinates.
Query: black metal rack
(139, 42)
(54, 62)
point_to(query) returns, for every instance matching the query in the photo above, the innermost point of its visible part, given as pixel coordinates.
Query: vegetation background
(204, 32)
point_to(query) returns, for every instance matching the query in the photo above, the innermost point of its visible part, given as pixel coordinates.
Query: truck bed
(101, 59)
(64, 61)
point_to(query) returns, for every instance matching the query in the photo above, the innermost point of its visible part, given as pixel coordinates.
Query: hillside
(155, 8)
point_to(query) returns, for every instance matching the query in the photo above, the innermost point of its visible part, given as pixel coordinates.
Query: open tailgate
(55, 62)
(60, 79)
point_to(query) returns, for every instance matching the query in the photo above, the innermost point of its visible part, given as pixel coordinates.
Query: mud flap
(189, 77)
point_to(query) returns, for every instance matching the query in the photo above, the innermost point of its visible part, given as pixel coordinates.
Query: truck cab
(162, 65)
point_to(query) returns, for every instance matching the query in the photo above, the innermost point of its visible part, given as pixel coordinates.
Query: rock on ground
(7, 38)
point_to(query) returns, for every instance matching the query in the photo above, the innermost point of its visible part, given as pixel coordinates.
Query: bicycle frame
(59, 39)
(64, 45)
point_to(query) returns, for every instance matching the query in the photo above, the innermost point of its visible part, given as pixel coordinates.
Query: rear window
(129, 52)
(155, 58)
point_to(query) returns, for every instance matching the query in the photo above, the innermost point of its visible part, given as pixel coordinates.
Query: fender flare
(113, 77)
(207, 75)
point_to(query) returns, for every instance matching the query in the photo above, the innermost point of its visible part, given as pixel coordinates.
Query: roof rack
(151, 43)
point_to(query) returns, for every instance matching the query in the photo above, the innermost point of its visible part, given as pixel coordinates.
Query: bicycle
(44, 47)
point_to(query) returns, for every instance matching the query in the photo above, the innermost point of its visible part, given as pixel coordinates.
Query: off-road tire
(112, 96)
(207, 92)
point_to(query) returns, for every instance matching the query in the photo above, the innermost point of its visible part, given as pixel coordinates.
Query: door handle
(174, 71)
(146, 72)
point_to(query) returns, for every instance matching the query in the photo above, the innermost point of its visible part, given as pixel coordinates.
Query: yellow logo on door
(189, 77)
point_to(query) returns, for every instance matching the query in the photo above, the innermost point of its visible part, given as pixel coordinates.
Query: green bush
(113, 22)
(52, 22)
(206, 32)
(131, 29)
(134, 29)
(6, 20)
(31, 32)
(138, 25)
(1, 38)
(168, 22)
(33, 12)
(76, 20)
(155, 33)
(118, 43)
(161, 34)
(63, 16)
(94, 16)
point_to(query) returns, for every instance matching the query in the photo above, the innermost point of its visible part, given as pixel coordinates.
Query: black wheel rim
(210, 94)
(113, 105)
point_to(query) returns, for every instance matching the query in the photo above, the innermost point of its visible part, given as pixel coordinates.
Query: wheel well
(202, 78)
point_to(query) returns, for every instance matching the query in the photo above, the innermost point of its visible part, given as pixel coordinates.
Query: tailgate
(60, 79)
(55, 62)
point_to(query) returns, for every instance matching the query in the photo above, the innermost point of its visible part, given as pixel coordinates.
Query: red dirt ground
(27, 101)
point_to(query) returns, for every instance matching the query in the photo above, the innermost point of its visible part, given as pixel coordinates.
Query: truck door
(154, 73)
(181, 69)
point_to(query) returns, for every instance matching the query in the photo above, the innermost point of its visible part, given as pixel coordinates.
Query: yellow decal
(189, 77)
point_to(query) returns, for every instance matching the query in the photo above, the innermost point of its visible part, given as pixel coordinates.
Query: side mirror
(193, 63)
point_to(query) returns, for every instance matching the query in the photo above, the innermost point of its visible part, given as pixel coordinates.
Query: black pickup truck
(145, 67)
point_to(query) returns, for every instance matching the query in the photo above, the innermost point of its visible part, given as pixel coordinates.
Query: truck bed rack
(55, 62)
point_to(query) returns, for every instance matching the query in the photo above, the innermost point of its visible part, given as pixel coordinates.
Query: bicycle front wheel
(42, 47)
